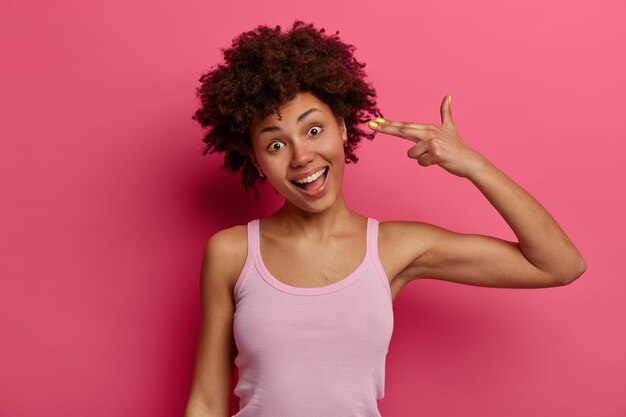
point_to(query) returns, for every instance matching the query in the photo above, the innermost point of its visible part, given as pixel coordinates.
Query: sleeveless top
(311, 352)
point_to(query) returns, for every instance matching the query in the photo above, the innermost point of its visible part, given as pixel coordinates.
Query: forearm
(541, 239)
(198, 410)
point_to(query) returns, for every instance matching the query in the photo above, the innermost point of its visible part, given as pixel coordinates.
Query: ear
(254, 161)
(249, 153)
(252, 158)
(343, 130)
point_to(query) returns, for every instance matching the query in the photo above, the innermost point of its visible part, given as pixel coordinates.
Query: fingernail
(380, 120)
(373, 124)
(450, 99)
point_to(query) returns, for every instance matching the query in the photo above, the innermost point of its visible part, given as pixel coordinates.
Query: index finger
(406, 130)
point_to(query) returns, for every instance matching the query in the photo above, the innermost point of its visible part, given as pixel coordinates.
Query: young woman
(301, 301)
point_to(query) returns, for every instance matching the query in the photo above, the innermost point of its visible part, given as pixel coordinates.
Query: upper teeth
(312, 177)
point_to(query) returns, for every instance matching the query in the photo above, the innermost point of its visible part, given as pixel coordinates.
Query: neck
(317, 225)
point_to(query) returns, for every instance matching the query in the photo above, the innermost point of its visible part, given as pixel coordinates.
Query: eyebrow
(300, 118)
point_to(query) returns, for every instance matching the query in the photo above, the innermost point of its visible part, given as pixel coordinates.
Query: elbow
(573, 272)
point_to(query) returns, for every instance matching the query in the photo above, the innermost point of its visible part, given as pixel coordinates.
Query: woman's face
(306, 141)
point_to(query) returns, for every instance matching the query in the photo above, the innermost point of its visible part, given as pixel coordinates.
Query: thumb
(446, 113)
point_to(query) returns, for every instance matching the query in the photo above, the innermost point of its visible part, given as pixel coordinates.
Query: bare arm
(541, 240)
(544, 255)
(214, 370)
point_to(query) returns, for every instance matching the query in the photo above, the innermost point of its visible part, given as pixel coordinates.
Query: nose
(303, 154)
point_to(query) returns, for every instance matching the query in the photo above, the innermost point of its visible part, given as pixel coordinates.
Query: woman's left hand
(439, 145)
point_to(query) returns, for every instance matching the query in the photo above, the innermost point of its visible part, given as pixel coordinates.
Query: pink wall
(107, 201)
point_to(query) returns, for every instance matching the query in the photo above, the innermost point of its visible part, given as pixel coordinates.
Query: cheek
(333, 146)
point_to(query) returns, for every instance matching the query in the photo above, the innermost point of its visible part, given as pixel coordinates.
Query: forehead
(291, 110)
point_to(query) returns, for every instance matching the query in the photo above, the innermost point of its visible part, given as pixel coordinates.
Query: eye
(273, 147)
(316, 128)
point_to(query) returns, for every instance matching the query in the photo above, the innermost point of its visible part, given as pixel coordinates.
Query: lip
(319, 191)
(307, 173)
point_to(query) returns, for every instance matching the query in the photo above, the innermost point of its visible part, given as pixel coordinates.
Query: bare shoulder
(227, 249)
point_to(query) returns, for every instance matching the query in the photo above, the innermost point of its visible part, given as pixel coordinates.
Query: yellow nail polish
(380, 120)
(373, 124)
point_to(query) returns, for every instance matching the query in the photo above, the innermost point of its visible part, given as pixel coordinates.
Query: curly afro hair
(263, 70)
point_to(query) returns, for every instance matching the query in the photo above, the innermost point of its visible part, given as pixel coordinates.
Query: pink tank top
(312, 352)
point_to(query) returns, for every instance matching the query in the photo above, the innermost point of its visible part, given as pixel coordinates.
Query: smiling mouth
(313, 185)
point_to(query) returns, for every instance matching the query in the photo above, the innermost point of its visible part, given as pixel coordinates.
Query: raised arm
(544, 255)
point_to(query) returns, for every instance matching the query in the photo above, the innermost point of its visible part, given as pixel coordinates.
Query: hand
(439, 145)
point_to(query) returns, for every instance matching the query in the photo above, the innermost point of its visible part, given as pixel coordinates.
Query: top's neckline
(335, 286)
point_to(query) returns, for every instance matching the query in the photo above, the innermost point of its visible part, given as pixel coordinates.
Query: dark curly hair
(264, 69)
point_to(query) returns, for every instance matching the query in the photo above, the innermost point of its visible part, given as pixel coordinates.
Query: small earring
(261, 174)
